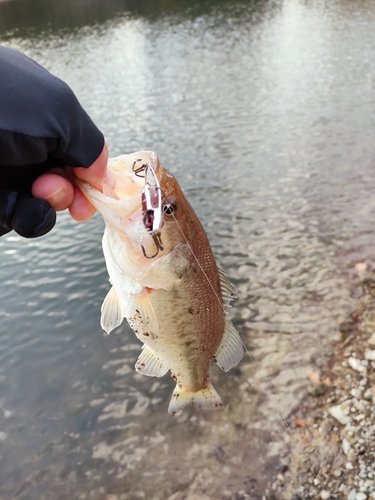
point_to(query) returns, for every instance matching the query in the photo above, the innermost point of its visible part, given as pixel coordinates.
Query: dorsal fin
(227, 290)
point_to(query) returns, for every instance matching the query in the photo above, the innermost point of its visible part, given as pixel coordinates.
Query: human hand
(42, 128)
(57, 186)
(55, 190)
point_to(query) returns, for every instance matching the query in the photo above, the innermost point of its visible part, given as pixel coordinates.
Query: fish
(165, 280)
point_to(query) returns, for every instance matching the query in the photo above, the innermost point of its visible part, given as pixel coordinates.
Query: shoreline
(332, 433)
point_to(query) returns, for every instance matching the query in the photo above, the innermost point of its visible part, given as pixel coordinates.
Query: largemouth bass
(168, 287)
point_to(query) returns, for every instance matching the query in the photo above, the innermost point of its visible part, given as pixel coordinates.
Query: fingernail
(56, 197)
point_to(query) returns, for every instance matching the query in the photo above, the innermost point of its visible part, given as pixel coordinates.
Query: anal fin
(150, 364)
(112, 312)
(231, 348)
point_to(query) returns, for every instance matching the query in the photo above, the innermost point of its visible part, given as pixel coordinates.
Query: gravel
(333, 433)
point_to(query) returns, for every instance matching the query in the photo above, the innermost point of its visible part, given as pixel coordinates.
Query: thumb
(97, 174)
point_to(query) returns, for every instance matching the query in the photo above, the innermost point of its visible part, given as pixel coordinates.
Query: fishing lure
(152, 205)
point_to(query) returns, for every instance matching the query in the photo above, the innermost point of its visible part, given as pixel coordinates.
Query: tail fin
(206, 399)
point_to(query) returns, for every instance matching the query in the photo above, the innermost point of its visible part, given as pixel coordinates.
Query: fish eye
(170, 207)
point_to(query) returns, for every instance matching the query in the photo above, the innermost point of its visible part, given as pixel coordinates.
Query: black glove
(42, 125)
(29, 217)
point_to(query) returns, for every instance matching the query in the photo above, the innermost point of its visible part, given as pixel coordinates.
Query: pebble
(345, 446)
(370, 354)
(352, 495)
(338, 413)
(371, 340)
(356, 364)
(325, 495)
(368, 394)
(361, 496)
(355, 393)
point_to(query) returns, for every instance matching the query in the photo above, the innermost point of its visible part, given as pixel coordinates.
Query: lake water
(265, 113)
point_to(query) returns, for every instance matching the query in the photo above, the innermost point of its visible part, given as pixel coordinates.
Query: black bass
(168, 286)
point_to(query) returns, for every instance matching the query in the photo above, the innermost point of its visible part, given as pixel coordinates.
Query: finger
(54, 188)
(97, 174)
(81, 209)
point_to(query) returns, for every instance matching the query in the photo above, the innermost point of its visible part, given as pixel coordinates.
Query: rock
(352, 495)
(356, 364)
(317, 389)
(361, 496)
(370, 354)
(337, 413)
(368, 394)
(355, 392)
(371, 340)
(345, 446)
(352, 456)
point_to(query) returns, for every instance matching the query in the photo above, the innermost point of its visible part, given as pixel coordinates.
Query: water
(264, 111)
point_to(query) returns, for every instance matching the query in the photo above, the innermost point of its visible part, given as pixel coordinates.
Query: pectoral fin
(169, 270)
(150, 364)
(112, 312)
(231, 349)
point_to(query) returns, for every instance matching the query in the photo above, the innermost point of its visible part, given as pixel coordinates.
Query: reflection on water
(264, 112)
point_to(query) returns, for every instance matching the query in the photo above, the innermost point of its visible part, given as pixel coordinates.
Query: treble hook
(159, 245)
(140, 169)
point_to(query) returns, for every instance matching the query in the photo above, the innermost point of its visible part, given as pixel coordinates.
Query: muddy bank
(332, 434)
